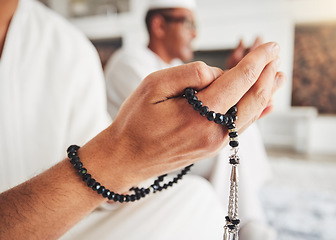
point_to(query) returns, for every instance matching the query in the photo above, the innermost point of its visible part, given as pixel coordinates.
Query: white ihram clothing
(124, 72)
(52, 95)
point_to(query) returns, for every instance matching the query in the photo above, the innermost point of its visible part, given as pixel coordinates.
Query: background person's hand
(241, 51)
(157, 131)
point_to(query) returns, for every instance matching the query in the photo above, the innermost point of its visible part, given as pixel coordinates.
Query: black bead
(233, 134)
(189, 166)
(133, 198)
(231, 126)
(170, 184)
(72, 148)
(74, 159)
(72, 154)
(165, 186)
(121, 198)
(91, 182)
(230, 120)
(204, 110)
(225, 119)
(111, 196)
(101, 190)
(189, 92)
(219, 118)
(78, 165)
(231, 226)
(116, 197)
(106, 193)
(197, 105)
(96, 186)
(234, 160)
(236, 221)
(227, 218)
(234, 117)
(86, 177)
(175, 180)
(138, 196)
(233, 143)
(211, 115)
(155, 187)
(160, 178)
(82, 172)
(193, 99)
(147, 191)
(127, 198)
(156, 182)
(232, 111)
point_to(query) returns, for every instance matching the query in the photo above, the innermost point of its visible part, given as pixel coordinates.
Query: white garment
(124, 72)
(189, 210)
(52, 95)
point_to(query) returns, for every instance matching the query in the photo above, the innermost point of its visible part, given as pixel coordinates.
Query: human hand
(241, 51)
(157, 131)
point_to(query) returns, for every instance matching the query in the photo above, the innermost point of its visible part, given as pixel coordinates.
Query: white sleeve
(122, 78)
(89, 114)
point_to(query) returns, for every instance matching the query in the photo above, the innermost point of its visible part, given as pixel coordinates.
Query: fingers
(169, 83)
(227, 90)
(256, 101)
(279, 80)
(240, 49)
(237, 54)
(257, 43)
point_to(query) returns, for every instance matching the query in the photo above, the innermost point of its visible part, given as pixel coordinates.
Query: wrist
(106, 160)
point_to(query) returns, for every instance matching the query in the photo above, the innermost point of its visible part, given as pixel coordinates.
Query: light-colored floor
(300, 201)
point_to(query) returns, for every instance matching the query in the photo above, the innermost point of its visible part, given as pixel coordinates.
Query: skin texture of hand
(156, 131)
(241, 51)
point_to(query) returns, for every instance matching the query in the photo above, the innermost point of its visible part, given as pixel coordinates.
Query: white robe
(52, 95)
(124, 72)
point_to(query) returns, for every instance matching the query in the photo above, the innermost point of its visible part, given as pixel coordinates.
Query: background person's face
(180, 31)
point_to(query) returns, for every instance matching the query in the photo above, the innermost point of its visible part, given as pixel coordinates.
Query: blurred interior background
(300, 134)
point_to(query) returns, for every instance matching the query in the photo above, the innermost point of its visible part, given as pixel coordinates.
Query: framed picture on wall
(314, 73)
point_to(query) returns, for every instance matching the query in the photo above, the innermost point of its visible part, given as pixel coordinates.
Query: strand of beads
(231, 227)
(100, 189)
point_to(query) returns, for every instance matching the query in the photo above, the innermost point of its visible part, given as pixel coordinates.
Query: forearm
(46, 206)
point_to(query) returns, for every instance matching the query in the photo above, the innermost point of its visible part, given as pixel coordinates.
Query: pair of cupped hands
(156, 131)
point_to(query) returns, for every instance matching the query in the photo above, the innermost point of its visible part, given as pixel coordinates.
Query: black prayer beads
(106, 193)
(226, 119)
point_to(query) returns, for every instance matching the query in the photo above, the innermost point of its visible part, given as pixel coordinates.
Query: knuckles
(200, 69)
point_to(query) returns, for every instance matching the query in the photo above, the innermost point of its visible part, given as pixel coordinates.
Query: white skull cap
(159, 4)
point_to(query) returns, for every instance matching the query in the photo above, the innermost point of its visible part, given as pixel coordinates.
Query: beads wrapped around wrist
(100, 189)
